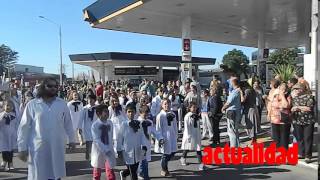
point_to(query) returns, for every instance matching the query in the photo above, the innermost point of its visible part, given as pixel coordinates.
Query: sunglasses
(52, 86)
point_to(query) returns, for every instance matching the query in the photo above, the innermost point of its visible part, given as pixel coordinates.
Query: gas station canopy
(131, 59)
(284, 23)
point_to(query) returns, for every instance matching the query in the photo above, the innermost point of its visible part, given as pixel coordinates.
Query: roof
(133, 57)
(284, 23)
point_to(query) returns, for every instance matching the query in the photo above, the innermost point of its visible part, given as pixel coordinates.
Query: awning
(285, 23)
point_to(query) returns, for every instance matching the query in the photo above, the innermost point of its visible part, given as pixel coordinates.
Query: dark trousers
(177, 117)
(199, 155)
(281, 134)
(165, 160)
(88, 149)
(305, 139)
(132, 171)
(260, 108)
(7, 156)
(215, 128)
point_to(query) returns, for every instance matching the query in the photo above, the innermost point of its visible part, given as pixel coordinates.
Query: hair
(257, 82)
(160, 90)
(117, 109)
(165, 99)
(299, 75)
(275, 83)
(206, 91)
(131, 106)
(191, 104)
(235, 81)
(194, 87)
(294, 80)
(144, 109)
(92, 96)
(214, 89)
(28, 93)
(11, 104)
(101, 108)
(42, 87)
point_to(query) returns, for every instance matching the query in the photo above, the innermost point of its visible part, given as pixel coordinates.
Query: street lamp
(59, 26)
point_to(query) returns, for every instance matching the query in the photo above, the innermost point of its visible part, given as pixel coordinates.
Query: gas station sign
(186, 50)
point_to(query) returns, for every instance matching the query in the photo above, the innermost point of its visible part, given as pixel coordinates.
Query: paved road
(78, 169)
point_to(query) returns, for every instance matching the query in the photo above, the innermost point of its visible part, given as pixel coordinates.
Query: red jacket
(99, 90)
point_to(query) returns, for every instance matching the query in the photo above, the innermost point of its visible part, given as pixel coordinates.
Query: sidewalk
(265, 137)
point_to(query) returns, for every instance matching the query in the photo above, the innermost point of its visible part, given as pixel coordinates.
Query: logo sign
(186, 45)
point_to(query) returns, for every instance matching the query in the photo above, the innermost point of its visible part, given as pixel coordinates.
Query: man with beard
(41, 133)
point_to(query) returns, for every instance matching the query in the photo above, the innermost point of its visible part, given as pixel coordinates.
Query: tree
(284, 56)
(235, 61)
(285, 71)
(285, 61)
(8, 58)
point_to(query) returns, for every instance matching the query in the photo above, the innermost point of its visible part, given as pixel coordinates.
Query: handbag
(284, 117)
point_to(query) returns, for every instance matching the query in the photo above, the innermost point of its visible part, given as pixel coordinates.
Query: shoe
(307, 160)
(140, 177)
(300, 157)
(3, 165)
(10, 166)
(201, 167)
(204, 138)
(183, 161)
(164, 173)
(122, 177)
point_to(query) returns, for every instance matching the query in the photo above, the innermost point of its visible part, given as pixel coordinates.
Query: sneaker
(3, 164)
(164, 173)
(140, 177)
(307, 160)
(300, 157)
(122, 177)
(201, 167)
(10, 166)
(183, 161)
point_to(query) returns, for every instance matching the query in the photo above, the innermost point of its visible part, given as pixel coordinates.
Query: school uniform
(168, 130)
(102, 155)
(134, 148)
(155, 106)
(8, 135)
(87, 117)
(148, 132)
(175, 107)
(117, 120)
(75, 108)
(191, 140)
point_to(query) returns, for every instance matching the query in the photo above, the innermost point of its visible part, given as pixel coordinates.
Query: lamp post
(60, 44)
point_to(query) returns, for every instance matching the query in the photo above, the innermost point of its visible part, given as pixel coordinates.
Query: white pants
(206, 125)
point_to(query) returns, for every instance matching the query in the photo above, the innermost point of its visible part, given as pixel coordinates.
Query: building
(115, 65)
(30, 74)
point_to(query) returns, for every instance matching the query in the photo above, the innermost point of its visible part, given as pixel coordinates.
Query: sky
(37, 41)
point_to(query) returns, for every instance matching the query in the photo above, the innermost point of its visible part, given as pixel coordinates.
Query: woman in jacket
(279, 115)
(303, 120)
